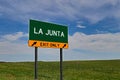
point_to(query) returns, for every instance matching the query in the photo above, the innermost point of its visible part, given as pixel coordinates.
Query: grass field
(72, 70)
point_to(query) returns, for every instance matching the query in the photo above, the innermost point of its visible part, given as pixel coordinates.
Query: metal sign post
(36, 64)
(61, 59)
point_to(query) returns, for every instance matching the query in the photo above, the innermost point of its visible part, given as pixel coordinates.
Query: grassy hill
(72, 70)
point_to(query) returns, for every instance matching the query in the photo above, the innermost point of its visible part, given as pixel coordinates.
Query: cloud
(15, 36)
(7, 47)
(101, 32)
(96, 42)
(81, 46)
(107, 42)
(92, 10)
(80, 26)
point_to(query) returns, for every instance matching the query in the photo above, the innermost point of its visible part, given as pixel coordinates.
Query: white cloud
(107, 45)
(7, 47)
(15, 36)
(80, 26)
(93, 10)
(101, 32)
(97, 42)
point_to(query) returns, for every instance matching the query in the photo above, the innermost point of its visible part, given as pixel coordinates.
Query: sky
(94, 29)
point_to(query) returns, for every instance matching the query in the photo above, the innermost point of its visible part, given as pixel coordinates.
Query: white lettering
(39, 32)
(54, 33)
(48, 32)
(62, 34)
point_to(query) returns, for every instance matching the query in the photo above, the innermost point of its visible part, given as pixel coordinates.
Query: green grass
(72, 70)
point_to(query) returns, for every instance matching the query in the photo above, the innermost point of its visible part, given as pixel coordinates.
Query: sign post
(36, 64)
(61, 69)
(47, 35)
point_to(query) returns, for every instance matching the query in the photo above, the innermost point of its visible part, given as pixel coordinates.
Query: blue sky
(94, 28)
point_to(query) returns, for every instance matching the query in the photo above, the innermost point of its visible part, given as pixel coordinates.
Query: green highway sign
(48, 34)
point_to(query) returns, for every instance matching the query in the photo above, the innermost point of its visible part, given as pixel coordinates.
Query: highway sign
(47, 35)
